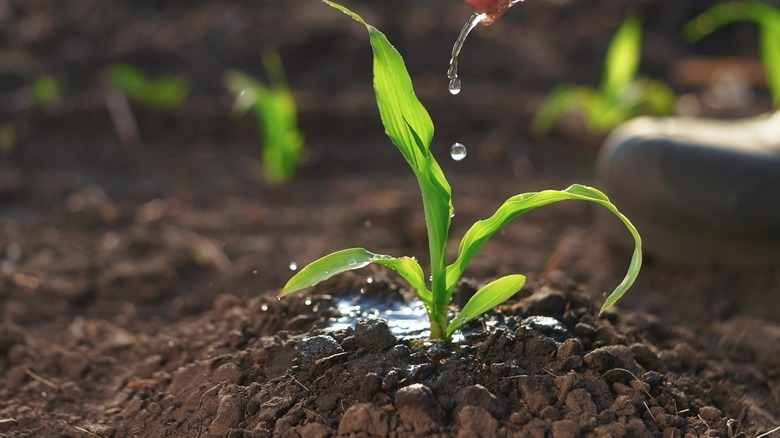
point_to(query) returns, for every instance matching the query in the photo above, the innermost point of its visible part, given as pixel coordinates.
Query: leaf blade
(482, 230)
(486, 298)
(357, 258)
(623, 57)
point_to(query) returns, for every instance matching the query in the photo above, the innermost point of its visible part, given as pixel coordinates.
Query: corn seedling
(621, 95)
(410, 128)
(166, 91)
(277, 118)
(768, 20)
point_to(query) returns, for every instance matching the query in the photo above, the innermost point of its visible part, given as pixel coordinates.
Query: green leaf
(515, 206)
(166, 92)
(356, 258)
(127, 78)
(560, 101)
(46, 89)
(623, 57)
(658, 97)
(408, 269)
(328, 266)
(406, 121)
(770, 56)
(486, 298)
(765, 16)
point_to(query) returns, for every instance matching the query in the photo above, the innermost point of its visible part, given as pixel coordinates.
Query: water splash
(458, 151)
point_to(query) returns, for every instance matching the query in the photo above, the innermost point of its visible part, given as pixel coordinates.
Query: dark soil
(138, 280)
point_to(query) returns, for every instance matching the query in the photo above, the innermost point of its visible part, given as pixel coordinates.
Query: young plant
(621, 95)
(274, 109)
(409, 126)
(768, 20)
(162, 92)
(46, 89)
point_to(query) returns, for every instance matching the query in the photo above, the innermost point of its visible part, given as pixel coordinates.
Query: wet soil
(138, 280)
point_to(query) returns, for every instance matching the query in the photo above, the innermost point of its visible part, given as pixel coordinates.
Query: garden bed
(138, 283)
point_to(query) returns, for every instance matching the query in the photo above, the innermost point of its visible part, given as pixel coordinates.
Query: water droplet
(458, 151)
(254, 271)
(452, 214)
(264, 307)
(370, 280)
(362, 290)
(352, 262)
(455, 85)
(293, 266)
(307, 302)
(368, 224)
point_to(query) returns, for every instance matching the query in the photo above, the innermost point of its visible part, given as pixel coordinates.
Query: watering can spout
(490, 9)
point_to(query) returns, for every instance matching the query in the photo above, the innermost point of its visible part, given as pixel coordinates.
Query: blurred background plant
(621, 96)
(165, 91)
(46, 89)
(768, 20)
(276, 115)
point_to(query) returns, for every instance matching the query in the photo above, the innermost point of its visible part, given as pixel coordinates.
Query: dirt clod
(473, 421)
(364, 418)
(416, 403)
(479, 396)
(315, 348)
(373, 335)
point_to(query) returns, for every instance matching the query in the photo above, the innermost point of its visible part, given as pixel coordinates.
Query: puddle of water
(406, 321)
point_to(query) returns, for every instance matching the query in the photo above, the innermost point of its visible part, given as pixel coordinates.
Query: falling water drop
(293, 266)
(458, 151)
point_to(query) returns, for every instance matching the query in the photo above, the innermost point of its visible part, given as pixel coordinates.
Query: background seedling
(768, 20)
(409, 126)
(277, 119)
(621, 95)
(165, 91)
(46, 89)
